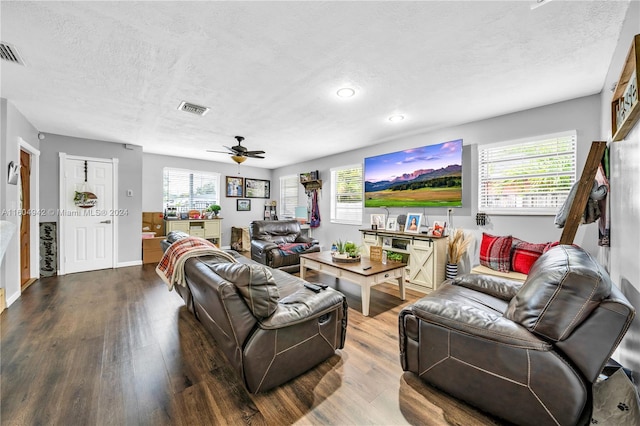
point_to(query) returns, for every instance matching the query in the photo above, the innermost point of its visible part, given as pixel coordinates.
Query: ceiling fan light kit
(239, 153)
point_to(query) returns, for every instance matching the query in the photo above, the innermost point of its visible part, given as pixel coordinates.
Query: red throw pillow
(556, 243)
(525, 255)
(495, 252)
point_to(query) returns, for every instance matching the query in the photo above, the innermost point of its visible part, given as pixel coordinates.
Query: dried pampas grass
(457, 245)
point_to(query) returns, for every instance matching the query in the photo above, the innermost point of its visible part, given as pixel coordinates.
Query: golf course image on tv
(429, 176)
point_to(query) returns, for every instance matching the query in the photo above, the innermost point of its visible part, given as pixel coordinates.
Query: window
(190, 190)
(528, 176)
(346, 195)
(289, 195)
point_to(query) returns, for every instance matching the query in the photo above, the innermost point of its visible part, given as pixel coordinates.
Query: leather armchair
(525, 352)
(269, 237)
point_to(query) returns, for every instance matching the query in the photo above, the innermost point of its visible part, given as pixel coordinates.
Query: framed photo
(257, 188)
(377, 220)
(413, 223)
(392, 223)
(235, 186)
(243, 205)
(305, 177)
(439, 229)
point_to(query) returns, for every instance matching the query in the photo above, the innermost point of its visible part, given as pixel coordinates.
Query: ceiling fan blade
(253, 152)
(254, 156)
(220, 152)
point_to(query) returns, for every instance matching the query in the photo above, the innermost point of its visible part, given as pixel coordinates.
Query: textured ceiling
(117, 71)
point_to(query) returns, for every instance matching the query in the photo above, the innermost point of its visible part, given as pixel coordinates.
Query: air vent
(9, 53)
(193, 108)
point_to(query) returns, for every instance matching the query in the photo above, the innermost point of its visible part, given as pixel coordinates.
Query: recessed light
(396, 118)
(346, 92)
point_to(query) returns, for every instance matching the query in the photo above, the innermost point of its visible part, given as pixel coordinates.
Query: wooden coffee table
(377, 274)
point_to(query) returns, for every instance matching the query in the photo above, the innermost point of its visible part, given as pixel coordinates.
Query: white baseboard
(131, 263)
(12, 298)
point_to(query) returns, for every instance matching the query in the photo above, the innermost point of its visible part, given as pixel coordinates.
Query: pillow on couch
(495, 252)
(525, 255)
(255, 283)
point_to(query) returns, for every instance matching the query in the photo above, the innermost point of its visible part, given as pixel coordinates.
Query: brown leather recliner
(269, 325)
(279, 244)
(525, 352)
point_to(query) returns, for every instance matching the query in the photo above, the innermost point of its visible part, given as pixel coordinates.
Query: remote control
(313, 287)
(366, 267)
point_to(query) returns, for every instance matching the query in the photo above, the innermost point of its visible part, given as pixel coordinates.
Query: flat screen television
(429, 176)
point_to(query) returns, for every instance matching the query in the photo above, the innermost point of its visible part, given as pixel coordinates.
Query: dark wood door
(25, 228)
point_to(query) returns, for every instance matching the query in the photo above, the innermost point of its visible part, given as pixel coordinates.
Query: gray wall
(581, 114)
(13, 127)
(623, 257)
(153, 165)
(129, 177)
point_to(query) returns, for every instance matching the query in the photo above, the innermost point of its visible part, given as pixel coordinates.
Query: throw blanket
(591, 211)
(171, 266)
(293, 248)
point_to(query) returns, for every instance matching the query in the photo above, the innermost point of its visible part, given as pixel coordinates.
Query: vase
(451, 271)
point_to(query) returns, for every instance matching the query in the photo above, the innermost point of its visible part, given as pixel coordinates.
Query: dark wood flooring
(114, 347)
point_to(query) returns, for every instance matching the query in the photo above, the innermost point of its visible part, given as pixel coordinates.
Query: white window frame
(213, 175)
(289, 190)
(337, 213)
(494, 164)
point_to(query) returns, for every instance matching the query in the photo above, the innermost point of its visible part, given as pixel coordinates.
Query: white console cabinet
(427, 256)
(209, 229)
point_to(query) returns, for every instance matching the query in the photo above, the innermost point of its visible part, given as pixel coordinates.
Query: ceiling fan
(239, 153)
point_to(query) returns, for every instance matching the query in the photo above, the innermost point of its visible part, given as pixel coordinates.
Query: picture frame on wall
(235, 186)
(243, 205)
(413, 223)
(257, 188)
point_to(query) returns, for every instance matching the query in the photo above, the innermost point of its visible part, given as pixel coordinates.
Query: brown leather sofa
(524, 352)
(268, 240)
(269, 325)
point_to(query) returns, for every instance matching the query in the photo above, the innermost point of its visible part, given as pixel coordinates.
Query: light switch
(129, 192)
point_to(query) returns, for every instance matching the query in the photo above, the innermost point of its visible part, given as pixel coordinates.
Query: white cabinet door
(422, 264)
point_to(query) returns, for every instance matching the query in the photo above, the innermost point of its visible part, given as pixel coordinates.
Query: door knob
(106, 221)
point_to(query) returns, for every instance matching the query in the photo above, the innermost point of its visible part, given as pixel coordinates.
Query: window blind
(529, 176)
(346, 195)
(190, 190)
(289, 195)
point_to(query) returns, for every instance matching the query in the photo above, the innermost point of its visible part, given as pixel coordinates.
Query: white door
(87, 231)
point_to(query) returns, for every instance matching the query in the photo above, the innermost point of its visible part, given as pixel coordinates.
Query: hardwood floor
(114, 347)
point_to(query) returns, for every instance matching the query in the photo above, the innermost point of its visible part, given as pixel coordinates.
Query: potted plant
(393, 256)
(345, 251)
(214, 209)
(351, 249)
(340, 250)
